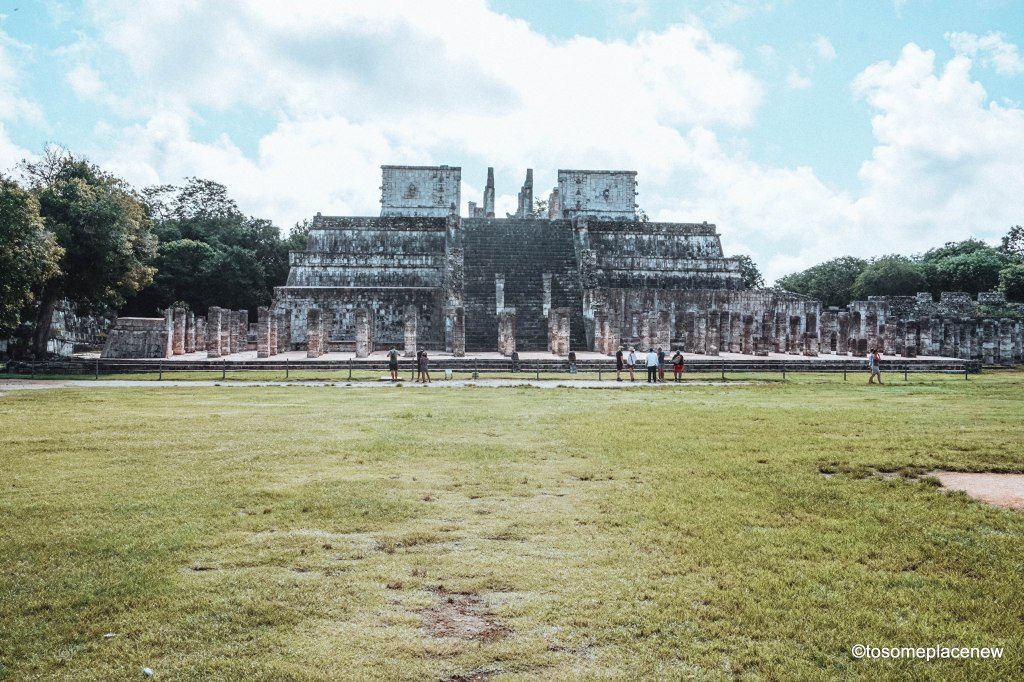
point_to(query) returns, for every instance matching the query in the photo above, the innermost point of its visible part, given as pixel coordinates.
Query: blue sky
(805, 130)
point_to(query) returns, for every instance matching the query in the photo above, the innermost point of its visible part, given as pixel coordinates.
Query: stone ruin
(588, 275)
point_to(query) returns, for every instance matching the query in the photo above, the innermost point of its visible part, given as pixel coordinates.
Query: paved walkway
(33, 384)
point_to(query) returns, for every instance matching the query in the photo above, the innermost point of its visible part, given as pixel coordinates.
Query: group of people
(422, 366)
(654, 361)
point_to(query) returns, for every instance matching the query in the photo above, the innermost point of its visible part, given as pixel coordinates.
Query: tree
(750, 275)
(1013, 243)
(1011, 282)
(212, 253)
(971, 265)
(29, 254)
(889, 276)
(104, 231)
(830, 282)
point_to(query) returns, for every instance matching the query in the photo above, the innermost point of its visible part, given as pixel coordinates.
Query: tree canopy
(830, 282)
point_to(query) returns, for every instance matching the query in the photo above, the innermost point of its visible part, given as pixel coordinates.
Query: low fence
(547, 368)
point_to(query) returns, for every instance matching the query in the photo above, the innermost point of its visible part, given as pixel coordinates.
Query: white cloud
(797, 81)
(85, 81)
(13, 106)
(823, 48)
(352, 86)
(992, 48)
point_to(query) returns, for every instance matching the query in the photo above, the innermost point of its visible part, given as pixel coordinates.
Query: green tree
(750, 275)
(29, 254)
(220, 256)
(971, 265)
(830, 282)
(1011, 282)
(104, 232)
(1013, 243)
(893, 275)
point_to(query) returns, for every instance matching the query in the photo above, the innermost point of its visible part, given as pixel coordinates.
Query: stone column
(700, 334)
(411, 321)
(855, 333)
(458, 331)
(747, 347)
(661, 330)
(230, 318)
(712, 332)
(213, 332)
(563, 331)
(201, 342)
(178, 340)
(988, 348)
(272, 319)
(243, 330)
(364, 333)
(314, 333)
(689, 331)
(600, 331)
(910, 339)
(795, 336)
(736, 333)
(1005, 341)
(284, 331)
(263, 332)
(779, 332)
(924, 330)
(507, 331)
(862, 348)
(169, 333)
(190, 332)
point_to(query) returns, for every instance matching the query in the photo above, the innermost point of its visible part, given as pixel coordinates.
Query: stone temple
(587, 275)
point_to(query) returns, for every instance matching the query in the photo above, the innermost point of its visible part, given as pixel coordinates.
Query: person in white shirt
(652, 366)
(631, 363)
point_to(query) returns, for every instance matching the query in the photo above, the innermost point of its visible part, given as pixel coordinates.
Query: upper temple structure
(581, 271)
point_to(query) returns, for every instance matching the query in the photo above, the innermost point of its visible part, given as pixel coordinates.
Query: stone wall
(420, 190)
(137, 337)
(599, 194)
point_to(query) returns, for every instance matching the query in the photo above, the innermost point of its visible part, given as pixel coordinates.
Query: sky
(804, 130)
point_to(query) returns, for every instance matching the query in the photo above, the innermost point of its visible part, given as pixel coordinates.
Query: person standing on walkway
(631, 363)
(393, 363)
(619, 360)
(677, 365)
(652, 366)
(572, 362)
(661, 364)
(874, 366)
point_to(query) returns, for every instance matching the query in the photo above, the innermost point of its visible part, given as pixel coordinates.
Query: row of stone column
(318, 324)
(227, 331)
(273, 332)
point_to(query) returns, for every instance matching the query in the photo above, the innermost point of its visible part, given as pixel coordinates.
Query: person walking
(393, 363)
(661, 364)
(874, 366)
(425, 364)
(652, 366)
(572, 362)
(677, 365)
(619, 361)
(631, 363)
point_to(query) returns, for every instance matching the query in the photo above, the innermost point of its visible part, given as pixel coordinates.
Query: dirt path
(1003, 490)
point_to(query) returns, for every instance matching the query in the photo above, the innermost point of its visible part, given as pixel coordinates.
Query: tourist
(874, 366)
(619, 360)
(572, 362)
(515, 361)
(424, 367)
(631, 363)
(661, 364)
(652, 366)
(677, 365)
(393, 363)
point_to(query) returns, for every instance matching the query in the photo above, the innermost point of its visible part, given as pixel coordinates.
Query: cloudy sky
(804, 129)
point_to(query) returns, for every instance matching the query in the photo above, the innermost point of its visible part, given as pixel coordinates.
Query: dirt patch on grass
(1003, 490)
(463, 615)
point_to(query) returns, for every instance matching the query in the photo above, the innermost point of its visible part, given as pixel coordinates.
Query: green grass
(298, 533)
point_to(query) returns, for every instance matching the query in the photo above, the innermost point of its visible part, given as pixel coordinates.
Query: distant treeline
(971, 265)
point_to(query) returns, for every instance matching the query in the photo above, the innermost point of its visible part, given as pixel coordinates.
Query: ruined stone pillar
(284, 331)
(273, 333)
(735, 333)
(871, 331)
(1005, 354)
(411, 321)
(689, 331)
(201, 342)
(661, 336)
(779, 332)
(862, 348)
(263, 332)
(700, 334)
(243, 330)
(364, 333)
(190, 332)
(924, 335)
(988, 348)
(455, 324)
(230, 318)
(747, 347)
(600, 331)
(168, 341)
(213, 332)
(713, 320)
(507, 331)
(855, 332)
(645, 332)
(795, 336)
(314, 333)
(178, 338)
(910, 339)
(563, 331)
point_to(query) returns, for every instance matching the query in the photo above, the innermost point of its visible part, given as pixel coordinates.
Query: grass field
(310, 533)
